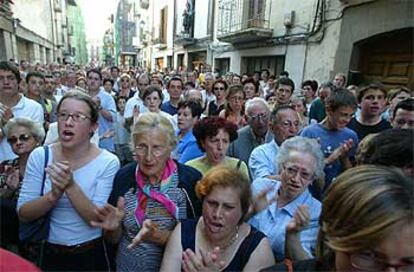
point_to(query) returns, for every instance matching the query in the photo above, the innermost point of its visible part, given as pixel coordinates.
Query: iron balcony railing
(238, 15)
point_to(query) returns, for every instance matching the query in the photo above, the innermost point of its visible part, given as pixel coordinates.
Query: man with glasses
(14, 104)
(255, 133)
(284, 124)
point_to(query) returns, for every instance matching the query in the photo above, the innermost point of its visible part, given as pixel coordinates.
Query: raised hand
(205, 262)
(261, 202)
(109, 218)
(299, 221)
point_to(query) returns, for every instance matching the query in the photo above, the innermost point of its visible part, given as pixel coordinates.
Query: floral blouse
(10, 179)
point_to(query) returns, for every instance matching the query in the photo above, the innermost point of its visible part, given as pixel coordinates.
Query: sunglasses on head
(22, 138)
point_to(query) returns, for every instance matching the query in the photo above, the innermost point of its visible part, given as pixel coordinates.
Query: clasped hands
(202, 262)
(61, 176)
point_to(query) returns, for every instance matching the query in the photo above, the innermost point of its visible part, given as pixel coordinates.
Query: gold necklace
(232, 240)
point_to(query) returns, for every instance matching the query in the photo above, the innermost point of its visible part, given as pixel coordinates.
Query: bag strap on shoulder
(46, 150)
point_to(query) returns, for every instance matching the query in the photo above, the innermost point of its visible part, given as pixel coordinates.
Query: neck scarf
(146, 192)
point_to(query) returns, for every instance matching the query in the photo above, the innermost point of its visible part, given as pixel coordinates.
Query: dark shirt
(168, 108)
(364, 130)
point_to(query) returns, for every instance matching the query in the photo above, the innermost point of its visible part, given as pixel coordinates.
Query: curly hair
(210, 126)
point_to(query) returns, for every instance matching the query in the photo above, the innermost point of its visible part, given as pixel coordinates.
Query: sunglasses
(219, 88)
(124, 80)
(22, 138)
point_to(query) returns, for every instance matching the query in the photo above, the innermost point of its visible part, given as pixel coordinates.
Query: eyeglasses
(236, 98)
(219, 88)
(124, 80)
(22, 138)
(76, 117)
(366, 261)
(289, 124)
(259, 117)
(156, 151)
(293, 171)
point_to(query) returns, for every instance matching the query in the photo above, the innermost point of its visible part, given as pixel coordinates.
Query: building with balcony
(370, 40)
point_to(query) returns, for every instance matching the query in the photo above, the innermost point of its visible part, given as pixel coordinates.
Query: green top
(202, 165)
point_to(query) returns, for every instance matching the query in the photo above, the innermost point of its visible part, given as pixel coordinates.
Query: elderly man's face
(258, 119)
(286, 125)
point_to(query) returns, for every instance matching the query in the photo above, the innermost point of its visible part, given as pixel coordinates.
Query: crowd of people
(193, 171)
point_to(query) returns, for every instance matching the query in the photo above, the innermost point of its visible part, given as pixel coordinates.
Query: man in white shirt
(14, 104)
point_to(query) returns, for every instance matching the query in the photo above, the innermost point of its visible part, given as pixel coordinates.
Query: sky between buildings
(96, 15)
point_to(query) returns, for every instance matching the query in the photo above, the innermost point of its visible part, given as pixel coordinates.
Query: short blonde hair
(225, 176)
(152, 120)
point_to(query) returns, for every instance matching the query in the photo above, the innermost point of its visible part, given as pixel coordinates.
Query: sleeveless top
(240, 259)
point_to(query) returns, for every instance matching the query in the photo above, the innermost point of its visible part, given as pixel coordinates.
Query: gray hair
(303, 145)
(36, 129)
(254, 101)
(152, 120)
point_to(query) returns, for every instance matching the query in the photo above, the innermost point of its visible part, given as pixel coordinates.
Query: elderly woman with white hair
(23, 135)
(291, 209)
(149, 197)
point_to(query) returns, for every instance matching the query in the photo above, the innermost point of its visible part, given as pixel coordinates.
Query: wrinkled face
(394, 252)
(250, 90)
(372, 103)
(219, 91)
(152, 151)
(35, 86)
(236, 101)
(340, 117)
(185, 119)
(222, 212)
(258, 118)
(403, 119)
(21, 140)
(339, 81)
(176, 89)
(308, 92)
(283, 94)
(153, 102)
(286, 126)
(94, 81)
(296, 174)
(72, 133)
(216, 146)
(8, 83)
